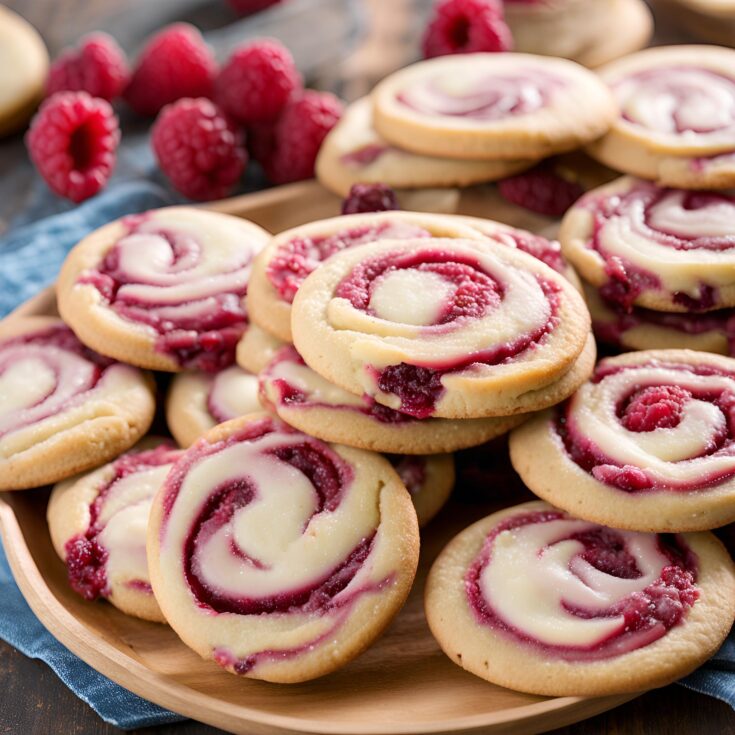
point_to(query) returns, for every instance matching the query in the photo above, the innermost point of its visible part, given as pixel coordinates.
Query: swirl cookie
(644, 329)
(444, 328)
(310, 403)
(164, 289)
(353, 153)
(429, 480)
(662, 249)
(590, 33)
(646, 444)
(98, 525)
(63, 408)
(257, 348)
(539, 601)
(288, 259)
(278, 556)
(492, 106)
(677, 116)
(198, 401)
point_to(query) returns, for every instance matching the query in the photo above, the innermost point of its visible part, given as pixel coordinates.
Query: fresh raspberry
(299, 134)
(257, 82)
(541, 190)
(655, 407)
(72, 142)
(248, 7)
(198, 149)
(369, 198)
(466, 26)
(97, 66)
(175, 63)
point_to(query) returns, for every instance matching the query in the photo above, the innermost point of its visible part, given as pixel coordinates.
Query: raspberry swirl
(666, 249)
(173, 279)
(577, 590)
(263, 582)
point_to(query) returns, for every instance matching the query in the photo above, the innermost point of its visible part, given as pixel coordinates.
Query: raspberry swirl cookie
(429, 480)
(492, 106)
(444, 328)
(257, 348)
(310, 403)
(98, 525)
(278, 556)
(164, 289)
(646, 444)
(539, 601)
(198, 401)
(663, 249)
(292, 255)
(63, 408)
(354, 153)
(677, 116)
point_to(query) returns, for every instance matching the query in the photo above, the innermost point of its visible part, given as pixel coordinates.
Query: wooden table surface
(33, 699)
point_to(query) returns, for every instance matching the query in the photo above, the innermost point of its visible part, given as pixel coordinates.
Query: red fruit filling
(541, 190)
(655, 407)
(369, 198)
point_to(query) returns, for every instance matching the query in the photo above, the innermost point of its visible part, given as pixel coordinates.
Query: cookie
(677, 116)
(310, 403)
(198, 401)
(429, 480)
(492, 106)
(662, 249)
(23, 68)
(278, 556)
(288, 259)
(63, 408)
(645, 329)
(645, 445)
(590, 33)
(535, 600)
(442, 328)
(162, 290)
(257, 348)
(353, 153)
(98, 524)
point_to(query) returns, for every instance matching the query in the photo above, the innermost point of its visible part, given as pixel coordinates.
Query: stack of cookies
(656, 248)
(460, 120)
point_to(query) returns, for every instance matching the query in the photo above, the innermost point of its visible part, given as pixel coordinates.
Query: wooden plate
(403, 684)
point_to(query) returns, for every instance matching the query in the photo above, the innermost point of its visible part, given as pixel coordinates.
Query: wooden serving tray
(403, 684)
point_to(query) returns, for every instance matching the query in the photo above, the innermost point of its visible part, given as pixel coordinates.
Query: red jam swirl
(647, 614)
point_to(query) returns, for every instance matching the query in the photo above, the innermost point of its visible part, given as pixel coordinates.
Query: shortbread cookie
(663, 249)
(645, 329)
(492, 106)
(442, 328)
(23, 69)
(63, 408)
(677, 116)
(590, 33)
(98, 524)
(310, 403)
(429, 479)
(646, 444)
(198, 401)
(535, 600)
(288, 259)
(353, 153)
(164, 289)
(278, 556)
(257, 348)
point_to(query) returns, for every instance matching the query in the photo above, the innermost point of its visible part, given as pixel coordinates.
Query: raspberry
(466, 26)
(541, 190)
(98, 66)
(175, 63)
(257, 82)
(248, 7)
(198, 149)
(299, 134)
(72, 142)
(369, 198)
(655, 407)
